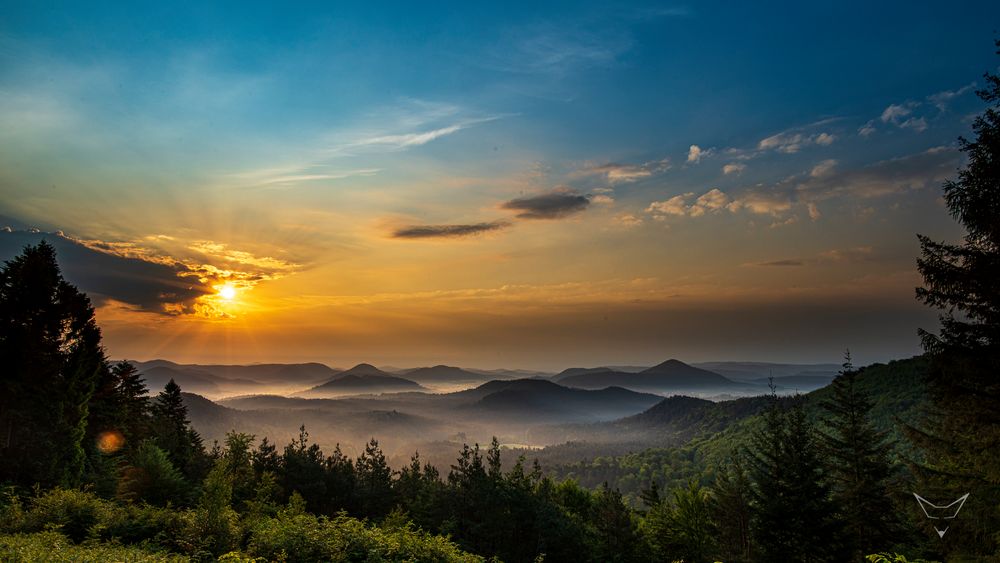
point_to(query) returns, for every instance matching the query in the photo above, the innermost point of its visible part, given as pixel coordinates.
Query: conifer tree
(794, 517)
(731, 511)
(52, 355)
(961, 436)
(857, 461)
(374, 481)
(175, 435)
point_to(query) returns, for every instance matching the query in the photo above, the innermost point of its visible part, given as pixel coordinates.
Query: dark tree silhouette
(857, 461)
(175, 435)
(51, 352)
(961, 436)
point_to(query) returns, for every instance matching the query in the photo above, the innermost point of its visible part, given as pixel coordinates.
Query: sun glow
(227, 292)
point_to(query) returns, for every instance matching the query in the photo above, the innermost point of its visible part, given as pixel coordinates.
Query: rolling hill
(441, 374)
(542, 400)
(671, 375)
(362, 379)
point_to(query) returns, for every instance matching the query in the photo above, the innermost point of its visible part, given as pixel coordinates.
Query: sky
(503, 185)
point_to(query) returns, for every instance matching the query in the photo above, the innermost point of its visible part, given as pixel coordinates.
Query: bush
(73, 513)
(304, 537)
(53, 546)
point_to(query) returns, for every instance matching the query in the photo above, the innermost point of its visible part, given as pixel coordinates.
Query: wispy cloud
(447, 231)
(555, 204)
(622, 173)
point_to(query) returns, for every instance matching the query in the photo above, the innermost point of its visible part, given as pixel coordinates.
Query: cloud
(734, 168)
(895, 112)
(556, 204)
(782, 263)
(867, 129)
(676, 205)
(942, 99)
(696, 153)
(793, 140)
(628, 220)
(157, 286)
(447, 231)
(814, 213)
(711, 201)
(887, 177)
(623, 173)
(901, 115)
(824, 168)
(851, 255)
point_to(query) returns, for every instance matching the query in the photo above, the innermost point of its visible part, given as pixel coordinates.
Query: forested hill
(896, 390)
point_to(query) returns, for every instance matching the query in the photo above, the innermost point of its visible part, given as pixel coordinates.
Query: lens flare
(110, 441)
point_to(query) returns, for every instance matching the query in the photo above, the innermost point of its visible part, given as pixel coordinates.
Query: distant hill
(803, 383)
(671, 375)
(441, 374)
(217, 380)
(755, 371)
(539, 399)
(570, 372)
(362, 378)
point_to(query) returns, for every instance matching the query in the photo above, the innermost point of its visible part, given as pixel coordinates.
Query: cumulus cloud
(711, 201)
(447, 231)
(867, 129)
(814, 213)
(734, 168)
(556, 204)
(696, 153)
(628, 220)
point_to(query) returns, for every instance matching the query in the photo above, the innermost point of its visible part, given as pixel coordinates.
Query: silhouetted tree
(175, 435)
(302, 471)
(961, 436)
(857, 461)
(374, 481)
(51, 351)
(793, 515)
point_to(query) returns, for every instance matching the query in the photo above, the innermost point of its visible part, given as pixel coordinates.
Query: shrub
(73, 513)
(53, 546)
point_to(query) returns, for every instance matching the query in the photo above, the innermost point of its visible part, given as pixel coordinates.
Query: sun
(227, 292)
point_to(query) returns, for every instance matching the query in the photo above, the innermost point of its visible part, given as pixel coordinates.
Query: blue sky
(498, 160)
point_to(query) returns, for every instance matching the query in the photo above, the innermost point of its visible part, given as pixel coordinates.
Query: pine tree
(52, 355)
(731, 511)
(961, 436)
(134, 402)
(374, 481)
(175, 435)
(794, 518)
(618, 537)
(857, 461)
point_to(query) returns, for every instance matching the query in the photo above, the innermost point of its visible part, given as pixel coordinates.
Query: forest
(96, 467)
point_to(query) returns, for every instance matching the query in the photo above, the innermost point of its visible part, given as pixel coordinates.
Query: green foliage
(152, 478)
(52, 547)
(298, 536)
(887, 557)
(682, 528)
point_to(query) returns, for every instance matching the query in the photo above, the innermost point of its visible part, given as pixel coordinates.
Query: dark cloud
(152, 286)
(447, 231)
(782, 263)
(556, 204)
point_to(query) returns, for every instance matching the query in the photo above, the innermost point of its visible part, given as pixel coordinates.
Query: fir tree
(857, 461)
(52, 355)
(175, 435)
(961, 436)
(793, 515)
(374, 481)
